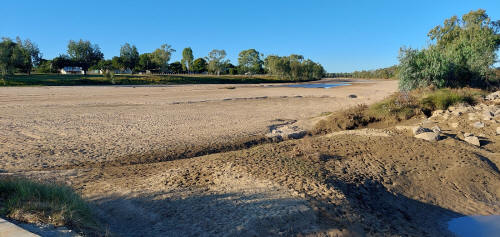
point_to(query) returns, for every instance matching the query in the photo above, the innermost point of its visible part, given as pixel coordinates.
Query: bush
(35, 202)
(397, 107)
(462, 54)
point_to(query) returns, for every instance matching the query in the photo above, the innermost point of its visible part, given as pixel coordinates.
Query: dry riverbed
(375, 182)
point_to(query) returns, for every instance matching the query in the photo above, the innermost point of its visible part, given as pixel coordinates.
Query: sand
(45, 127)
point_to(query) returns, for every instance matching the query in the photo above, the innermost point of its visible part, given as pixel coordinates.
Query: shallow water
(477, 226)
(320, 85)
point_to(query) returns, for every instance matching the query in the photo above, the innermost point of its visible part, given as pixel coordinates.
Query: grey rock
(419, 129)
(436, 129)
(478, 125)
(429, 136)
(472, 140)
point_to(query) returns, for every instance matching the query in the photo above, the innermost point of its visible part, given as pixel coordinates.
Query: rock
(472, 116)
(352, 96)
(429, 136)
(488, 115)
(498, 130)
(419, 129)
(493, 96)
(454, 125)
(478, 125)
(472, 140)
(436, 129)
(437, 113)
(467, 134)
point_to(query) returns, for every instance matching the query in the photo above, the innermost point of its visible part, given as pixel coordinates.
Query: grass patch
(36, 202)
(121, 79)
(397, 107)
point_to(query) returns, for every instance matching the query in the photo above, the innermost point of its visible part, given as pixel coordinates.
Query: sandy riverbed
(50, 126)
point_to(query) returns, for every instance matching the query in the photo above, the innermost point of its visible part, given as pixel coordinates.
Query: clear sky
(341, 35)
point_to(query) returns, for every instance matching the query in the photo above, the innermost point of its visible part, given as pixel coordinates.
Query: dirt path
(43, 127)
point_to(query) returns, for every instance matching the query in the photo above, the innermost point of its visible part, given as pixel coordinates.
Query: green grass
(120, 79)
(37, 202)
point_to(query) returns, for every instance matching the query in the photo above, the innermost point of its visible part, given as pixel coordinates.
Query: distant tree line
(381, 73)
(25, 57)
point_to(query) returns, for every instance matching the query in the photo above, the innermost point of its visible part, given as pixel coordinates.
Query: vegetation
(36, 202)
(400, 106)
(187, 59)
(216, 61)
(249, 62)
(293, 68)
(127, 79)
(382, 73)
(462, 53)
(18, 56)
(84, 54)
(129, 56)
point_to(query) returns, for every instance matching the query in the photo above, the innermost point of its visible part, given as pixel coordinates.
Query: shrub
(462, 53)
(36, 202)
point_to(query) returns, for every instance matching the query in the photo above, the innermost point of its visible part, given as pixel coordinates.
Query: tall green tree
(293, 67)
(162, 55)
(187, 59)
(84, 54)
(199, 65)
(249, 61)
(146, 62)
(31, 55)
(11, 56)
(129, 56)
(462, 53)
(216, 61)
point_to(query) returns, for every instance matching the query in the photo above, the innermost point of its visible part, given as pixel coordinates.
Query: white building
(72, 70)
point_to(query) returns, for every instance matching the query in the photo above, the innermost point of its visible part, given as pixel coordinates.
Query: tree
(249, 61)
(84, 54)
(199, 65)
(293, 67)
(187, 59)
(216, 61)
(11, 56)
(462, 53)
(62, 61)
(161, 56)
(31, 55)
(175, 67)
(117, 63)
(129, 56)
(146, 62)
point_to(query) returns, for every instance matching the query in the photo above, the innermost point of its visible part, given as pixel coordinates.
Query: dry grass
(398, 107)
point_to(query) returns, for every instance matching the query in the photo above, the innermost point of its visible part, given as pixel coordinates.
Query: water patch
(319, 85)
(477, 226)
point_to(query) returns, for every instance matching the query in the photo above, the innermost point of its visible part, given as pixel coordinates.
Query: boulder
(454, 125)
(498, 130)
(478, 125)
(436, 129)
(472, 140)
(467, 134)
(419, 129)
(429, 136)
(488, 115)
(493, 96)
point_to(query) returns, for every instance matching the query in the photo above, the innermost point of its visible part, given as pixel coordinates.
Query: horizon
(325, 32)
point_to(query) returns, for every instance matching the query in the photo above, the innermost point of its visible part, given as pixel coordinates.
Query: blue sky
(341, 35)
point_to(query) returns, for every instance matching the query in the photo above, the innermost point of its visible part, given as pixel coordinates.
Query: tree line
(382, 73)
(24, 57)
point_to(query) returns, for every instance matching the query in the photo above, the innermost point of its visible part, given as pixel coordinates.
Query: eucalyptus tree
(216, 61)
(462, 53)
(199, 65)
(161, 56)
(129, 56)
(84, 53)
(187, 59)
(249, 61)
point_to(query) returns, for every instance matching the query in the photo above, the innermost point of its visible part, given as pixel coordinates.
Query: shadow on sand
(367, 209)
